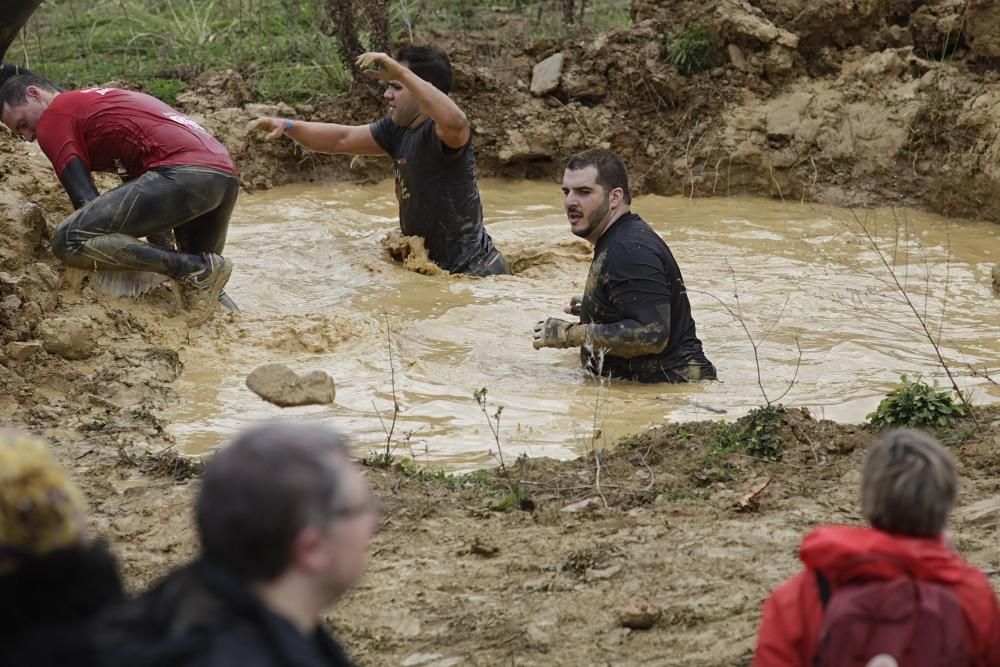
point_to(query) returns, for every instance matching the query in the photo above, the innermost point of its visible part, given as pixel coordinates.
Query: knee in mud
(61, 244)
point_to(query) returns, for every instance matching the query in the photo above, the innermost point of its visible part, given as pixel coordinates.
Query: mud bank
(873, 103)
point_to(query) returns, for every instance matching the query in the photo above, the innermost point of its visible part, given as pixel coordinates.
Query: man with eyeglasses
(285, 520)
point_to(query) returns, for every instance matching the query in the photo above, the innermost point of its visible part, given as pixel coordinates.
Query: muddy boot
(200, 290)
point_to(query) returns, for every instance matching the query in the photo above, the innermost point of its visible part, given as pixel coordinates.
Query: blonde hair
(909, 484)
(41, 510)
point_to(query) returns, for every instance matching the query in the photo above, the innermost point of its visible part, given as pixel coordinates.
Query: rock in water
(996, 277)
(279, 384)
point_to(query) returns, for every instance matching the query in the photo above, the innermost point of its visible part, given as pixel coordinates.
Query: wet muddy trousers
(493, 264)
(194, 202)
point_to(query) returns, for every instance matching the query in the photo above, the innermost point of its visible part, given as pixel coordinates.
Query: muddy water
(318, 292)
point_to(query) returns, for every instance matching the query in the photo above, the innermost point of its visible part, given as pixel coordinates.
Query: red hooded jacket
(793, 615)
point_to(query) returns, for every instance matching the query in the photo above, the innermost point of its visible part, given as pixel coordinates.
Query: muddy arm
(649, 333)
(77, 182)
(13, 17)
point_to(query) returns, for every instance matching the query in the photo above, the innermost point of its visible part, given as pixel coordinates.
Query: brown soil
(830, 100)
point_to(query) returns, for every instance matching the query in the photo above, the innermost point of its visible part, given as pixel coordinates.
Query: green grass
(276, 45)
(283, 48)
(694, 49)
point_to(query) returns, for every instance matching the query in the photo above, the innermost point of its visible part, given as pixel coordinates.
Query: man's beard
(594, 219)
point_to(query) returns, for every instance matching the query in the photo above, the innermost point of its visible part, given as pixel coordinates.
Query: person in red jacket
(179, 183)
(908, 489)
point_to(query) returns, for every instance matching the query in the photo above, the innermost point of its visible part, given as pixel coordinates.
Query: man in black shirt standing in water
(429, 139)
(635, 318)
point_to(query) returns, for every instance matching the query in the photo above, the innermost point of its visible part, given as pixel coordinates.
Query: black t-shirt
(437, 193)
(634, 276)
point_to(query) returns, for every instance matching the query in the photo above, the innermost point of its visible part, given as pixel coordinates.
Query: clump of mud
(569, 255)
(411, 252)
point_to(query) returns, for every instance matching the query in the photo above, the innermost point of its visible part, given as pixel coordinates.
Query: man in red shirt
(176, 177)
(908, 488)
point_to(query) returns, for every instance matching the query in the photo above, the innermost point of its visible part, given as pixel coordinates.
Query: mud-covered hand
(574, 306)
(379, 66)
(273, 127)
(554, 332)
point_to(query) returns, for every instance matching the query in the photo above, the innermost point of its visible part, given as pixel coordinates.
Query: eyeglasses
(368, 507)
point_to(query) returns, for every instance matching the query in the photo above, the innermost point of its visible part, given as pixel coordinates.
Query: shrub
(693, 49)
(915, 403)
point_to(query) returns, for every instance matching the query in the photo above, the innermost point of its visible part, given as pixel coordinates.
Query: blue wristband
(288, 126)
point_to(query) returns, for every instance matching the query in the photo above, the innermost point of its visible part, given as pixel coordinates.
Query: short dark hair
(908, 484)
(611, 172)
(14, 91)
(9, 70)
(260, 491)
(429, 63)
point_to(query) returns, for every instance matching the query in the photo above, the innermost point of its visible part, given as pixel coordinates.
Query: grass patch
(275, 44)
(694, 49)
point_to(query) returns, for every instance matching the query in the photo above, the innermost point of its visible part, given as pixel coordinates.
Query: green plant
(914, 403)
(480, 396)
(379, 460)
(759, 432)
(693, 49)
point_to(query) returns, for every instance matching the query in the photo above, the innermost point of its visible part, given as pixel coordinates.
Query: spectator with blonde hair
(55, 579)
(895, 591)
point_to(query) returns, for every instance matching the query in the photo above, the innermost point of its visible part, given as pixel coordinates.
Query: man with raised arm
(635, 318)
(429, 139)
(177, 177)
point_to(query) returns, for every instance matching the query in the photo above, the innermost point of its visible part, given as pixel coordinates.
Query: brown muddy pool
(317, 290)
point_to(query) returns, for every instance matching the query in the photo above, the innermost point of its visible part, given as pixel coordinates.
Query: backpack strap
(824, 588)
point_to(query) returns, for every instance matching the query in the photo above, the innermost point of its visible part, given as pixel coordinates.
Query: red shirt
(793, 615)
(124, 133)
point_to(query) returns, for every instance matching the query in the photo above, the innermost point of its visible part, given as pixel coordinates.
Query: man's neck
(293, 598)
(419, 120)
(615, 217)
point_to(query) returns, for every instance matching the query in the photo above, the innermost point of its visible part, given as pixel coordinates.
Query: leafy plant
(915, 403)
(759, 432)
(693, 49)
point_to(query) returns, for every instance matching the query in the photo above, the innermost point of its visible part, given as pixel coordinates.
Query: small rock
(605, 573)
(996, 277)
(539, 634)
(545, 75)
(279, 384)
(638, 618)
(10, 302)
(68, 337)
(20, 351)
(419, 659)
(736, 57)
(581, 505)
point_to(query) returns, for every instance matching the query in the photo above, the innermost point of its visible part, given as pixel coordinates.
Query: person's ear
(617, 197)
(33, 92)
(307, 551)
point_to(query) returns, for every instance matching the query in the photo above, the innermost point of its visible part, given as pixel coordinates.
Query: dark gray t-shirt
(634, 276)
(437, 193)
